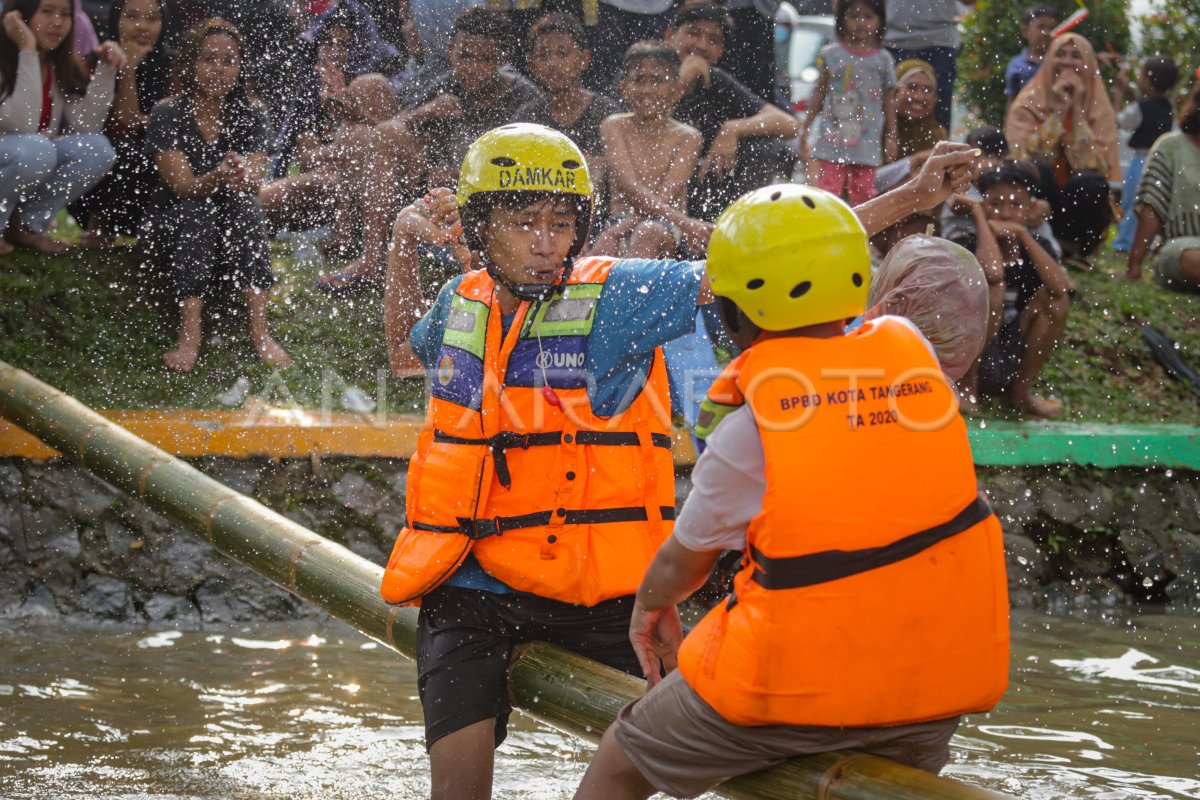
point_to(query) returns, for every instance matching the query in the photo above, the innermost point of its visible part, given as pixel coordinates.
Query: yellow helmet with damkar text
(527, 159)
(789, 256)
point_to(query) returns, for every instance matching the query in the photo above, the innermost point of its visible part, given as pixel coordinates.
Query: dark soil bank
(71, 545)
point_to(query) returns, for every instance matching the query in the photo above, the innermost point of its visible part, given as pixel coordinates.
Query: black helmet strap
(539, 292)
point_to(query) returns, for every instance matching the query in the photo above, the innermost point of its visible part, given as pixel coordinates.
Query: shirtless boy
(651, 158)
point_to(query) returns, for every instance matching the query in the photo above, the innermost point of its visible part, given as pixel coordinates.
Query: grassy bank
(96, 325)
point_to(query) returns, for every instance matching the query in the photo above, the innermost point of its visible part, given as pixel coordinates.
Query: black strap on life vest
(508, 439)
(832, 565)
(498, 526)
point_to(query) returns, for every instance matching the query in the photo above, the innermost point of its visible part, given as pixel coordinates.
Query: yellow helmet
(790, 256)
(523, 157)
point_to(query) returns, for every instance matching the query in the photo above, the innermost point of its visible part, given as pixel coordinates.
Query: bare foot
(38, 242)
(1038, 407)
(272, 354)
(94, 240)
(181, 359)
(6, 247)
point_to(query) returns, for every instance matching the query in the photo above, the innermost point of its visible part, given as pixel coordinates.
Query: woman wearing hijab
(1063, 118)
(917, 129)
(916, 97)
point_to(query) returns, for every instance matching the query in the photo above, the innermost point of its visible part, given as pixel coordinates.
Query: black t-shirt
(707, 108)
(1156, 121)
(585, 131)
(454, 138)
(1021, 278)
(173, 127)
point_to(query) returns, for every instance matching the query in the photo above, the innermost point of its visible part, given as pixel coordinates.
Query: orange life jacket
(873, 589)
(513, 464)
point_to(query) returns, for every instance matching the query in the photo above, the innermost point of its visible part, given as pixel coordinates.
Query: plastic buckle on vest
(476, 529)
(501, 442)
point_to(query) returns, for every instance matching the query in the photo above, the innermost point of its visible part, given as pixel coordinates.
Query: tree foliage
(1173, 29)
(992, 36)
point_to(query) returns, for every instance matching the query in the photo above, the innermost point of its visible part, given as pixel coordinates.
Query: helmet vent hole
(800, 289)
(776, 195)
(756, 283)
(571, 163)
(504, 161)
(857, 279)
(808, 202)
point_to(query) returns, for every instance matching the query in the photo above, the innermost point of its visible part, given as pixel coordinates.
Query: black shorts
(465, 638)
(999, 363)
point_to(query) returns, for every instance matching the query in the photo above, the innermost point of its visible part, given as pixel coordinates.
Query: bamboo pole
(563, 689)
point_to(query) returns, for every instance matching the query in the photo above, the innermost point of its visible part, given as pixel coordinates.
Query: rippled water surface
(313, 711)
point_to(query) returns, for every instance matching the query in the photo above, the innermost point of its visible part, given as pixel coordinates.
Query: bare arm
(126, 115)
(177, 173)
(946, 171)
(769, 121)
(815, 103)
(987, 249)
(654, 629)
(891, 145)
(1053, 276)
(1149, 225)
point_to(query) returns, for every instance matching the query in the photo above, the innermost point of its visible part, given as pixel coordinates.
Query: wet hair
(481, 21)
(1189, 116)
(69, 72)
(154, 73)
(1037, 12)
(989, 139)
(651, 50)
(702, 11)
(1161, 72)
(879, 7)
(1010, 173)
(558, 22)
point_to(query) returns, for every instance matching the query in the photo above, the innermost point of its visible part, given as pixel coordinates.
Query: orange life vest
(513, 464)
(873, 589)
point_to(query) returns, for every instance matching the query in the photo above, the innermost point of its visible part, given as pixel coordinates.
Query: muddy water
(1100, 709)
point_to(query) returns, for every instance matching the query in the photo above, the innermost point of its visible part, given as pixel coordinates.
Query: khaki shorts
(683, 747)
(1166, 263)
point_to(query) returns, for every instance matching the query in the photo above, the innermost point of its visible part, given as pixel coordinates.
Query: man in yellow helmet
(542, 483)
(870, 612)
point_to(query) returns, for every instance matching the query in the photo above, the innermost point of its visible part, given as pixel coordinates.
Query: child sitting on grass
(651, 157)
(1030, 301)
(210, 147)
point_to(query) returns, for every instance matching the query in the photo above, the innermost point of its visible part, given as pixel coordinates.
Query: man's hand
(656, 637)
(722, 156)
(945, 172)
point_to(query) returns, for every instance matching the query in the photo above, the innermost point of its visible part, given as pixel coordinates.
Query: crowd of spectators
(202, 128)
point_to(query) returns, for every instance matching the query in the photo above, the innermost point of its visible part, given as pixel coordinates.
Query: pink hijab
(1036, 101)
